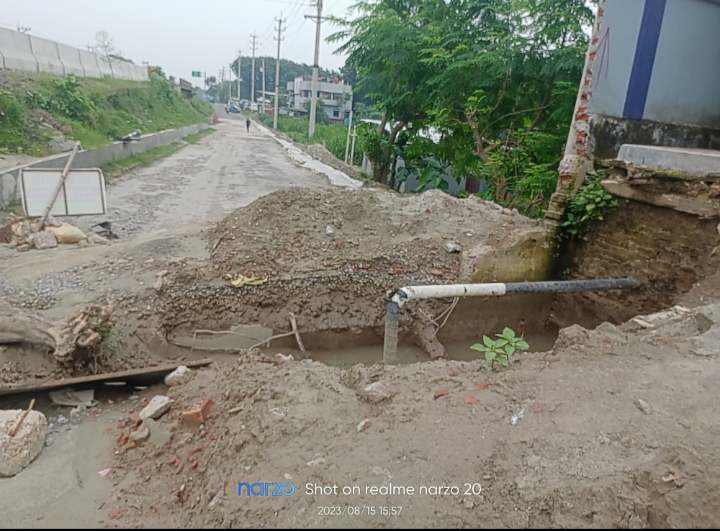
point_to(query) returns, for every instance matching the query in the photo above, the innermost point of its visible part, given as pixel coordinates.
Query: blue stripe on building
(644, 61)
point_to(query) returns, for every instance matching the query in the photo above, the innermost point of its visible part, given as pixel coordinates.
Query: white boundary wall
(26, 53)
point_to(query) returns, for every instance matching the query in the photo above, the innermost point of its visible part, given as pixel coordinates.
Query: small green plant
(112, 337)
(586, 207)
(501, 349)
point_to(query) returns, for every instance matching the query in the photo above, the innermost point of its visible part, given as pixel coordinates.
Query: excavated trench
(335, 283)
(529, 315)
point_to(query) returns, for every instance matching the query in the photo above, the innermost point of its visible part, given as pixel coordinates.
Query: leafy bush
(586, 207)
(501, 349)
(66, 100)
(11, 121)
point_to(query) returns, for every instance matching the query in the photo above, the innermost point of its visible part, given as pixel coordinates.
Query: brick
(439, 393)
(197, 415)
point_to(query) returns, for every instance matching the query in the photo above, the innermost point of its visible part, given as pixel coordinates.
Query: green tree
(496, 78)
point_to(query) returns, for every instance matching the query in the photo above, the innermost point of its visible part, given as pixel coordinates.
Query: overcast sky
(179, 35)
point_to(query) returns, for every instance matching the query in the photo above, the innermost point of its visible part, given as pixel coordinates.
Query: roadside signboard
(196, 73)
(82, 194)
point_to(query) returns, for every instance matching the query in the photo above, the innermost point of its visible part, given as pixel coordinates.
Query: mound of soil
(593, 434)
(330, 256)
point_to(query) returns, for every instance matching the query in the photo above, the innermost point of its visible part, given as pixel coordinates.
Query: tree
(104, 44)
(496, 78)
(384, 43)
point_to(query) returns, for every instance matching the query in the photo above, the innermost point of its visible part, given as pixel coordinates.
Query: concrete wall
(70, 58)
(16, 51)
(26, 53)
(94, 158)
(89, 62)
(47, 55)
(672, 78)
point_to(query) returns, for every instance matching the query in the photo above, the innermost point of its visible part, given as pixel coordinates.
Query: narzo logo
(264, 488)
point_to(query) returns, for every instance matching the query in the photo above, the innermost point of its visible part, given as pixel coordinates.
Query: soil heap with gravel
(330, 256)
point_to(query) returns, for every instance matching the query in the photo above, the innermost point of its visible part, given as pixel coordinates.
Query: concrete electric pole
(253, 44)
(279, 39)
(316, 69)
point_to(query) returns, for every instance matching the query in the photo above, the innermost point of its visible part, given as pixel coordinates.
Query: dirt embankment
(593, 434)
(330, 256)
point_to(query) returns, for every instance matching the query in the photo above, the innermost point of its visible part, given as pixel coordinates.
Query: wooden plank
(144, 373)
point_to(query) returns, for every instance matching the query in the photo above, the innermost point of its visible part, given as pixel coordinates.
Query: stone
(158, 406)
(69, 234)
(643, 406)
(141, 434)
(44, 240)
(376, 392)
(159, 435)
(362, 426)
(453, 247)
(19, 451)
(179, 376)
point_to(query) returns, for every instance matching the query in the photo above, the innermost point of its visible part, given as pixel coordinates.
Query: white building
(335, 97)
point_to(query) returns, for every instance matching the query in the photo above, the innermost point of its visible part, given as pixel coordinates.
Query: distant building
(335, 97)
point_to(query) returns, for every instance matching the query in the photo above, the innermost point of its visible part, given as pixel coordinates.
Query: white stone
(453, 247)
(158, 406)
(19, 451)
(376, 392)
(179, 376)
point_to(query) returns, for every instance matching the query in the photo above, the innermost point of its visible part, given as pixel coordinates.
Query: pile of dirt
(593, 434)
(330, 256)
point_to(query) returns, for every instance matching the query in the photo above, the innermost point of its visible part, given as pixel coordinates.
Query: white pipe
(406, 294)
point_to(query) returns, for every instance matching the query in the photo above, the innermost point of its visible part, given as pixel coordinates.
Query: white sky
(180, 35)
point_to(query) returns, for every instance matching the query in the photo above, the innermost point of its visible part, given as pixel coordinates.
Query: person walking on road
(247, 124)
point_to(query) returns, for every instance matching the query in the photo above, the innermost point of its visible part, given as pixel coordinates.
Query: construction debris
(19, 448)
(158, 406)
(179, 376)
(73, 398)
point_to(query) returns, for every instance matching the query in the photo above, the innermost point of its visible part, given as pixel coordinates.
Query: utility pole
(263, 90)
(350, 124)
(316, 68)
(223, 82)
(253, 45)
(279, 39)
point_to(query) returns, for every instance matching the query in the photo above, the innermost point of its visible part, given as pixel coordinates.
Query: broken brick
(439, 393)
(481, 386)
(470, 399)
(197, 415)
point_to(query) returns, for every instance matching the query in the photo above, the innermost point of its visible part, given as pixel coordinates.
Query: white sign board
(82, 194)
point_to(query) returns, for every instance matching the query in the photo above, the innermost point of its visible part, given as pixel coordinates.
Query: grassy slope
(34, 108)
(332, 136)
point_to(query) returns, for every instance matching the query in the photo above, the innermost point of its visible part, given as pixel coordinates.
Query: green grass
(333, 136)
(120, 166)
(93, 111)
(196, 137)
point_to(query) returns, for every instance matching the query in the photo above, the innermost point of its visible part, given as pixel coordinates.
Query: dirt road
(158, 211)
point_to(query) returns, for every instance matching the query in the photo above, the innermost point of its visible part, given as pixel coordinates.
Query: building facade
(335, 97)
(656, 74)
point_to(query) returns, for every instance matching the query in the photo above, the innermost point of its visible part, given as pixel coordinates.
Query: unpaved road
(159, 212)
